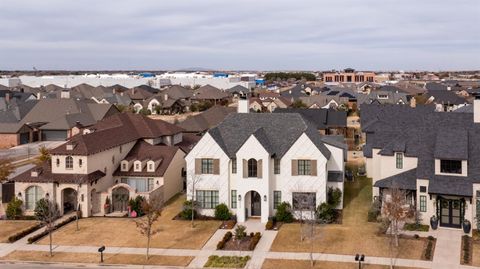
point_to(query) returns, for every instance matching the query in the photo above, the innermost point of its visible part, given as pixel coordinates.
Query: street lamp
(360, 258)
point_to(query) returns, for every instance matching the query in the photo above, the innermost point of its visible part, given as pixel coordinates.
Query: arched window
(32, 195)
(252, 168)
(69, 162)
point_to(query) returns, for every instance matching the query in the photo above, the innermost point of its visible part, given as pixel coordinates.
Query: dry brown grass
(122, 232)
(475, 254)
(136, 259)
(354, 235)
(11, 227)
(302, 264)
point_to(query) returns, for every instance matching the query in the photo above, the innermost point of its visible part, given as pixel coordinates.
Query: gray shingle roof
(322, 118)
(276, 131)
(406, 181)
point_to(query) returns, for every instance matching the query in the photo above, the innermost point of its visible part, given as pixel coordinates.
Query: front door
(450, 213)
(256, 204)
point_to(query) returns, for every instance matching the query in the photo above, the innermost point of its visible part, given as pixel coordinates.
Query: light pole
(360, 258)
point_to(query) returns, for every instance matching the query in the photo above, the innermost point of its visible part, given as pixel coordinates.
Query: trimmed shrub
(221, 244)
(24, 233)
(429, 250)
(374, 211)
(325, 213)
(222, 212)
(44, 233)
(187, 211)
(284, 213)
(136, 205)
(334, 196)
(254, 241)
(240, 232)
(14, 208)
(269, 225)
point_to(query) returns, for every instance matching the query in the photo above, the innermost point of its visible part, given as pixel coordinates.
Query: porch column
(241, 207)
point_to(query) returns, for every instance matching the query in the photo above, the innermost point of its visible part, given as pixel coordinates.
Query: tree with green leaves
(44, 155)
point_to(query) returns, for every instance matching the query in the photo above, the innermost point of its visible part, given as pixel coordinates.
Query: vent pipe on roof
(476, 109)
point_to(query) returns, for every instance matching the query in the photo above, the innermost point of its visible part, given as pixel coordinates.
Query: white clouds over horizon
(253, 35)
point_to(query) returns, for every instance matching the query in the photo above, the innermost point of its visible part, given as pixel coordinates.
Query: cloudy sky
(245, 34)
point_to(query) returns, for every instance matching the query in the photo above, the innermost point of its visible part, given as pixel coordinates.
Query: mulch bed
(228, 224)
(466, 246)
(232, 244)
(197, 217)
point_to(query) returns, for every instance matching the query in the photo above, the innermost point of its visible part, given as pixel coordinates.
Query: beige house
(120, 157)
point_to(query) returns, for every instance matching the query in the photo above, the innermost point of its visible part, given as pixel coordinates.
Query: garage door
(54, 135)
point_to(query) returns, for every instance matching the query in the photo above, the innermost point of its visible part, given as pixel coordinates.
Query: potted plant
(434, 222)
(467, 226)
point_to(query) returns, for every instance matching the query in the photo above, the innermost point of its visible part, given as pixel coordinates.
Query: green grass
(415, 227)
(227, 261)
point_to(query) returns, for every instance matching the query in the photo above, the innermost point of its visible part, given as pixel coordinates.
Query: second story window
(252, 168)
(207, 166)
(399, 160)
(234, 166)
(80, 162)
(69, 162)
(304, 167)
(58, 162)
(276, 166)
(124, 167)
(451, 166)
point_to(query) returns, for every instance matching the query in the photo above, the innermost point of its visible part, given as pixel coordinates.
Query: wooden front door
(256, 204)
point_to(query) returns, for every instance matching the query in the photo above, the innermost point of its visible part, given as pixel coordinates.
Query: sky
(240, 35)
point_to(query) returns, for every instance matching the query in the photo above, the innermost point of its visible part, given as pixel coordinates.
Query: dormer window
(124, 166)
(137, 166)
(399, 160)
(451, 166)
(382, 96)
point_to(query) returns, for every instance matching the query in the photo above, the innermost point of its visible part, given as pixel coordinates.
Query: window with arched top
(252, 168)
(69, 162)
(32, 195)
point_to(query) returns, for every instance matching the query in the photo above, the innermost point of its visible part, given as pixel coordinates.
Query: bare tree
(191, 188)
(46, 211)
(396, 209)
(152, 208)
(306, 204)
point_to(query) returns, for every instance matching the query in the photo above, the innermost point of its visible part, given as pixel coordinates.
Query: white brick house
(253, 162)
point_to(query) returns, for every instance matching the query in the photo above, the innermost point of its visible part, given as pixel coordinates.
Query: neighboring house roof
(178, 92)
(435, 86)
(149, 89)
(405, 181)
(446, 97)
(464, 109)
(209, 92)
(144, 152)
(206, 120)
(410, 88)
(322, 118)
(383, 97)
(138, 94)
(238, 89)
(427, 135)
(44, 175)
(276, 131)
(117, 130)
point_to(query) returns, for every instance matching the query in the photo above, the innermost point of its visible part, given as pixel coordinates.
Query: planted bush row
(466, 249)
(221, 244)
(254, 241)
(429, 248)
(24, 233)
(44, 233)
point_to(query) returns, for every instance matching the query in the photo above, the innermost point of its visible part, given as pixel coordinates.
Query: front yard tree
(192, 185)
(44, 155)
(46, 211)
(152, 208)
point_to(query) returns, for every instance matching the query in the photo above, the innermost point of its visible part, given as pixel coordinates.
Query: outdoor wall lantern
(264, 198)
(359, 258)
(47, 195)
(239, 197)
(20, 194)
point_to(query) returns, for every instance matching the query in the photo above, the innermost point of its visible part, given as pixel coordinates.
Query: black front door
(451, 213)
(256, 204)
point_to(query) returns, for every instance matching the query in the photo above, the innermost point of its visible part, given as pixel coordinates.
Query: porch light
(19, 194)
(239, 197)
(47, 195)
(264, 198)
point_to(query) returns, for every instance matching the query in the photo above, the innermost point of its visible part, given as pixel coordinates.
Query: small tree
(6, 169)
(152, 208)
(396, 210)
(14, 208)
(192, 188)
(46, 211)
(284, 213)
(44, 155)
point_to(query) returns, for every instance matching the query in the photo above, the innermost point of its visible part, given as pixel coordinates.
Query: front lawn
(354, 235)
(11, 227)
(303, 264)
(227, 261)
(73, 257)
(122, 232)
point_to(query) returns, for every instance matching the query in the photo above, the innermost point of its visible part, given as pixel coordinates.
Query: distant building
(348, 75)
